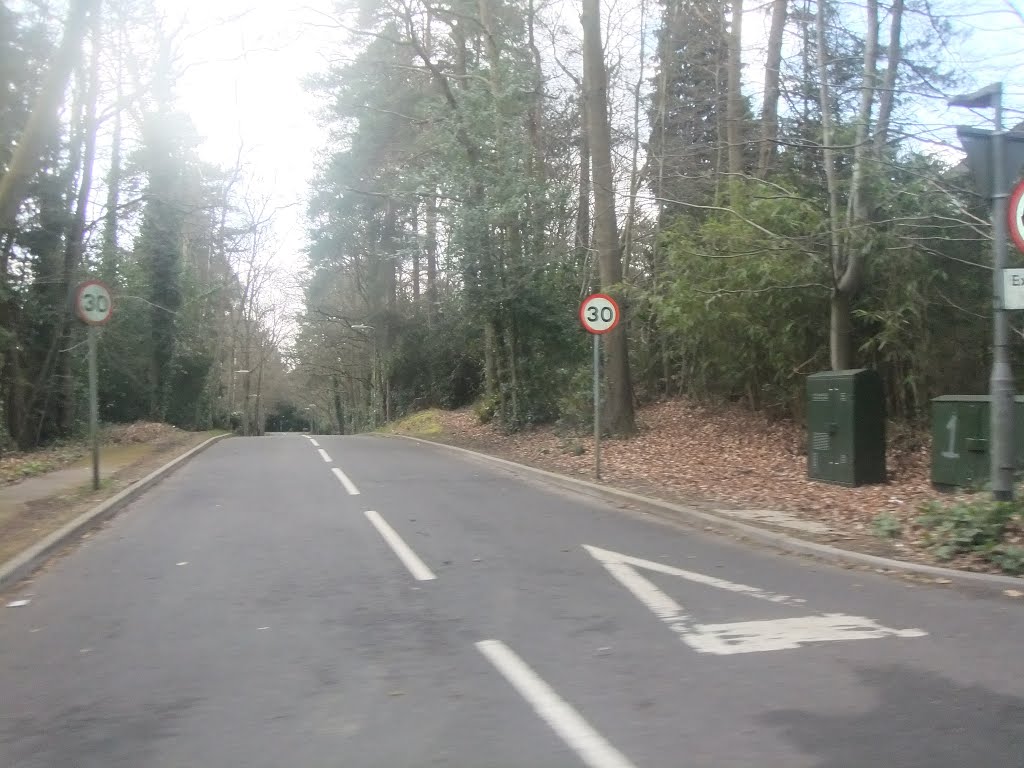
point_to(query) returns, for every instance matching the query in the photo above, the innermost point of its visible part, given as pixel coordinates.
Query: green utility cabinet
(846, 427)
(960, 439)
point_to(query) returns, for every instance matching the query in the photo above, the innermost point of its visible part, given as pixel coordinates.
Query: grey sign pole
(597, 406)
(1001, 385)
(93, 306)
(94, 409)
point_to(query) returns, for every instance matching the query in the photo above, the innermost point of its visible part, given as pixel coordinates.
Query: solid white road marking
(314, 443)
(324, 456)
(743, 636)
(591, 746)
(409, 559)
(343, 479)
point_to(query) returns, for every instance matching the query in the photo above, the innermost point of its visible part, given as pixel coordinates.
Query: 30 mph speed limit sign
(1015, 212)
(599, 313)
(93, 304)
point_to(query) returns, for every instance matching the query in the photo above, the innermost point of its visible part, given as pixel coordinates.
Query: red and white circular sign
(599, 313)
(93, 304)
(1015, 213)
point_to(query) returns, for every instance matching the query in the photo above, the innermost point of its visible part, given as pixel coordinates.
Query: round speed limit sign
(1015, 211)
(599, 313)
(93, 304)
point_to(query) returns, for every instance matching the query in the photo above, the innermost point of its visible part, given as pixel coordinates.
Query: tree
(619, 411)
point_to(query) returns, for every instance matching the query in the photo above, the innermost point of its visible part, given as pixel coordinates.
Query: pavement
(363, 601)
(71, 479)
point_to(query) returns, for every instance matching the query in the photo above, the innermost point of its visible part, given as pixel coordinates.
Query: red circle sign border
(78, 302)
(614, 303)
(1016, 226)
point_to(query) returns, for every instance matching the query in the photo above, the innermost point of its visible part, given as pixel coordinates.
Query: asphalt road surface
(357, 601)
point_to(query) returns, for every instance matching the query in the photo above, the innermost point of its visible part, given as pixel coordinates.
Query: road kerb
(28, 561)
(678, 513)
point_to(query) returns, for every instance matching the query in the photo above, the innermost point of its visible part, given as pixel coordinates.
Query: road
(363, 601)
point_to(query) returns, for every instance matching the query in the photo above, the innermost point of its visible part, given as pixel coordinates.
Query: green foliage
(886, 526)
(973, 527)
(486, 407)
(743, 307)
(1009, 557)
(576, 405)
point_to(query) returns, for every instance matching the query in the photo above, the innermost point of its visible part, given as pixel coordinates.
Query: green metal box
(960, 439)
(846, 427)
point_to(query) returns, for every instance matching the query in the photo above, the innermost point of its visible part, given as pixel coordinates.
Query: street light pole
(1001, 384)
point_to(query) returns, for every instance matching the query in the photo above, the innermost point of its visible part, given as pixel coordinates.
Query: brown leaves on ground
(139, 432)
(17, 465)
(718, 456)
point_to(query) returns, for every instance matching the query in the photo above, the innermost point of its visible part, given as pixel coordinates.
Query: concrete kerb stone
(27, 562)
(978, 581)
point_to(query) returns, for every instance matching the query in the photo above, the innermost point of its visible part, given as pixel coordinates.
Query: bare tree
(770, 106)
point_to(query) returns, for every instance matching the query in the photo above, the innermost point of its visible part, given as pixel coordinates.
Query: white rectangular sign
(1013, 289)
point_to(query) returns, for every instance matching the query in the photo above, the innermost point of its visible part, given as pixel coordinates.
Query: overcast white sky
(250, 57)
(244, 87)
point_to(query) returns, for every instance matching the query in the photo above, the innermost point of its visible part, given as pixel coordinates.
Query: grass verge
(422, 424)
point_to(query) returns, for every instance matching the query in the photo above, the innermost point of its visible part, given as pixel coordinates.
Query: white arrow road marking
(742, 636)
(410, 559)
(592, 748)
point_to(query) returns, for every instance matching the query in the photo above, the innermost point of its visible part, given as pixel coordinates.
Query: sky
(247, 60)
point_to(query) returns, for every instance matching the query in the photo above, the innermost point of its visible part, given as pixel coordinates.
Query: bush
(1009, 557)
(576, 405)
(974, 527)
(887, 526)
(486, 408)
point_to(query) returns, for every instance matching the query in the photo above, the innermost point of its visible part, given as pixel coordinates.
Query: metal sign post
(599, 315)
(597, 406)
(93, 307)
(987, 157)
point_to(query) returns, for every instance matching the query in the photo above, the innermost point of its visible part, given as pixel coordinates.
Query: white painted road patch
(409, 559)
(324, 456)
(18, 603)
(592, 748)
(743, 636)
(343, 479)
(314, 443)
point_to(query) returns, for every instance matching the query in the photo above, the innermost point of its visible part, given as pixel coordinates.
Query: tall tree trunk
(110, 257)
(74, 248)
(619, 416)
(848, 268)
(894, 55)
(634, 170)
(856, 211)
(537, 171)
(41, 123)
(431, 247)
(416, 262)
(583, 212)
(840, 344)
(770, 107)
(16, 415)
(734, 104)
